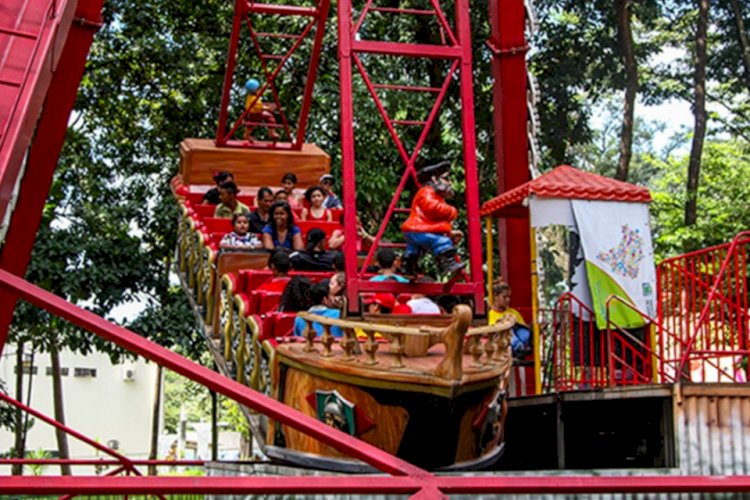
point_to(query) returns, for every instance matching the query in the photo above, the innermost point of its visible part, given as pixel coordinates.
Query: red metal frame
(125, 463)
(444, 485)
(49, 136)
(243, 11)
(510, 116)
(30, 33)
(457, 48)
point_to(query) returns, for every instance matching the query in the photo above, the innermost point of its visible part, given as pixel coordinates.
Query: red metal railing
(703, 299)
(700, 333)
(578, 349)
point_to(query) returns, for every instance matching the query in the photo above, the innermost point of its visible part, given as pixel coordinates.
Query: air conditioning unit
(128, 373)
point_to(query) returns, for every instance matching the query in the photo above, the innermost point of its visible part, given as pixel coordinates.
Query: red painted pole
(312, 71)
(45, 150)
(510, 117)
(348, 171)
(240, 7)
(468, 125)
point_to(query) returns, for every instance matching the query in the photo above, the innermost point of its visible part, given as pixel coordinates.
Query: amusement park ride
(403, 393)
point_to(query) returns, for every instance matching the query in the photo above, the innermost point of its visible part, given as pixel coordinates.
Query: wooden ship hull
(408, 408)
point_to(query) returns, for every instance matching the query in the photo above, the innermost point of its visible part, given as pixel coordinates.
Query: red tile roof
(568, 182)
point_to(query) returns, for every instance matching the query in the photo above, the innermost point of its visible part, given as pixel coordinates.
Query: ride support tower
(456, 49)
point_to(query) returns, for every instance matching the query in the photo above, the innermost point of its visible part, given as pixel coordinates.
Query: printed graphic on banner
(616, 242)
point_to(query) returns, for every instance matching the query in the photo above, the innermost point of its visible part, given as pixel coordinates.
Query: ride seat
(274, 285)
(251, 279)
(327, 227)
(216, 225)
(277, 324)
(200, 212)
(314, 276)
(268, 301)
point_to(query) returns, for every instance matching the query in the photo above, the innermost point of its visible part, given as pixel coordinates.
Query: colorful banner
(616, 242)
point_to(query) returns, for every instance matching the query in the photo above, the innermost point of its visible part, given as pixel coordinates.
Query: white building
(112, 404)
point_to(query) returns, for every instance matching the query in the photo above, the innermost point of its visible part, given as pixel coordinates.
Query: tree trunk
(19, 446)
(155, 422)
(624, 12)
(699, 111)
(743, 39)
(57, 396)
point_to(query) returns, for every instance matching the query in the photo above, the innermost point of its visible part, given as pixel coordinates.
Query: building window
(84, 372)
(28, 369)
(63, 371)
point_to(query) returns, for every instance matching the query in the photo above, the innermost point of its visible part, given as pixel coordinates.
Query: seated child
(257, 111)
(240, 237)
(388, 263)
(321, 306)
(279, 265)
(520, 340)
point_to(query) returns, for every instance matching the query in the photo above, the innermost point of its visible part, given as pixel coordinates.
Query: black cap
(425, 173)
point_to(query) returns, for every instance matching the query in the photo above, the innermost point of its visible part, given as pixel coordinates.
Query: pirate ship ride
(396, 381)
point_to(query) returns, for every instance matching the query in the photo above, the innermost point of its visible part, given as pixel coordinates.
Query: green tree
(722, 199)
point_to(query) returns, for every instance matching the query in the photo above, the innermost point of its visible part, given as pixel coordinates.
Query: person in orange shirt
(429, 226)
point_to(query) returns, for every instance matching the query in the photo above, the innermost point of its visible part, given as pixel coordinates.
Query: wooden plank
(200, 158)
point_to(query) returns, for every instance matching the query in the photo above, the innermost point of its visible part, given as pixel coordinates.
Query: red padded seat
(268, 301)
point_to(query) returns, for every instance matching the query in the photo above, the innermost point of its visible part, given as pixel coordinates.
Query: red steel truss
(245, 12)
(456, 48)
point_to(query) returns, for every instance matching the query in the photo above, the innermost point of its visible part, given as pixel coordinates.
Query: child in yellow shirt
(520, 340)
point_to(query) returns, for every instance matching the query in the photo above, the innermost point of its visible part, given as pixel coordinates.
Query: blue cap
(252, 85)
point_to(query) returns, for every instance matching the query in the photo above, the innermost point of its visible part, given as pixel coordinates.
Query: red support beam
(510, 118)
(210, 379)
(406, 49)
(29, 57)
(468, 126)
(357, 484)
(45, 150)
